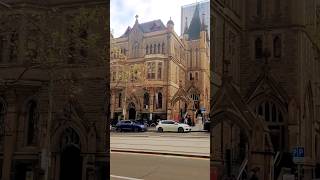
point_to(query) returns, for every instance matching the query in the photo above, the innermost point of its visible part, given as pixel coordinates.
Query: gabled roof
(266, 84)
(151, 26)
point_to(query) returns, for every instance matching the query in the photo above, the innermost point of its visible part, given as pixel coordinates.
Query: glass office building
(188, 10)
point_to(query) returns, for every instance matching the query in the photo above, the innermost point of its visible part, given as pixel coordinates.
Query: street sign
(298, 154)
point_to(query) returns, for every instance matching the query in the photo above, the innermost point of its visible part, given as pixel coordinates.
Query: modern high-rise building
(187, 12)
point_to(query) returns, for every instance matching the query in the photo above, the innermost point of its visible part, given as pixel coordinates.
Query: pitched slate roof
(151, 26)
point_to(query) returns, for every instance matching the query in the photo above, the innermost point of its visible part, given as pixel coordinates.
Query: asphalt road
(130, 166)
(168, 143)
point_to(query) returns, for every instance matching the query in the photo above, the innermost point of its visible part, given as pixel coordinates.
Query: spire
(186, 26)
(136, 18)
(203, 25)
(195, 25)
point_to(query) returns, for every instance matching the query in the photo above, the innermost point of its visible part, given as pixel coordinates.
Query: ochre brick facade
(167, 67)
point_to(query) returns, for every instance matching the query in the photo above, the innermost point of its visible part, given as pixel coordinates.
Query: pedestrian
(202, 119)
(189, 120)
(254, 175)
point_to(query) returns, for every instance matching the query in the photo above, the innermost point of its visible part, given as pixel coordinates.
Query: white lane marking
(123, 177)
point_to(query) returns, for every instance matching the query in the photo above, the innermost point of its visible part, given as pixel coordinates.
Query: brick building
(265, 95)
(155, 74)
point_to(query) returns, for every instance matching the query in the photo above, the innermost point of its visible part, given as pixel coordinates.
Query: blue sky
(122, 13)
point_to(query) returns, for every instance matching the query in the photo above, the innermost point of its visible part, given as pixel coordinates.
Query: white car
(170, 125)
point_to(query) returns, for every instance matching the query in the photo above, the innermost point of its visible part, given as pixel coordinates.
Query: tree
(129, 78)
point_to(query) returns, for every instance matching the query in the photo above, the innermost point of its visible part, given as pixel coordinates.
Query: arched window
(146, 100)
(119, 100)
(32, 122)
(274, 119)
(258, 48)
(159, 101)
(70, 137)
(191, 58)
(197, 76)
(197, 56)
(259, 8)
(160, 70)
(151, 49)
(277, 47)
(13, 47)
(2, 118)
(159, 48)
(191, 78)
(83, 38)
(147, 49)
(162, 48)
(154, 48)
(1, 47)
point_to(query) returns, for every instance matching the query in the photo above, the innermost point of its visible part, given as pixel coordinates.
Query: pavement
(160, 156)
(129, 166)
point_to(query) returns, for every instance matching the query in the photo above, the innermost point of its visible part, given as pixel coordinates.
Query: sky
(123, 12)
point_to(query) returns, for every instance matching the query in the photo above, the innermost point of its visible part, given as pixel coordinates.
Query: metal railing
(242, 168)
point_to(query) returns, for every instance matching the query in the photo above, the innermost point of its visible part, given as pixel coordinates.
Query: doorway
(132, 111)
(71, 163)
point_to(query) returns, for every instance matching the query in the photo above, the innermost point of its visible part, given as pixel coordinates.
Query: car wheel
(160, 129)
(118, 129)
(180, 130)
(136, 129)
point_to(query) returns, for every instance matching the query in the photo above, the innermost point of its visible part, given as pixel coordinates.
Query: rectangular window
(160, 70)
(149, 70)
(153, 70)
(114, 74)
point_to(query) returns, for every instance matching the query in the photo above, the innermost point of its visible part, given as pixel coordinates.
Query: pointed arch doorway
(132, 111)
(71, 160)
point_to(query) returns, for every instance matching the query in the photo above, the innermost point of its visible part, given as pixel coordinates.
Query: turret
(170, 25)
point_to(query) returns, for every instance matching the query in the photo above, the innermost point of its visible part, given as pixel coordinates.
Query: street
(129, 166)
(160, 156)
(190, 144)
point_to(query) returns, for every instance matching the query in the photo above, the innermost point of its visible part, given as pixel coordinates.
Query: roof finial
(203, 23)
(137, 18)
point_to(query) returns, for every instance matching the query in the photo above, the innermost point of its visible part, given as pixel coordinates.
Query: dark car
(206, 125)
(130, 125)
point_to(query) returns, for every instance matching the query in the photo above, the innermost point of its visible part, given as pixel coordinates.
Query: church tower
(198, 58)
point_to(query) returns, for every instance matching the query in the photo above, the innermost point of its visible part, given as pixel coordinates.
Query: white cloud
(122, 12)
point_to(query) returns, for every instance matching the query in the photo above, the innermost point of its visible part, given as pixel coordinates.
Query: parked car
(170, 125)
(206, 125)
(130, 125)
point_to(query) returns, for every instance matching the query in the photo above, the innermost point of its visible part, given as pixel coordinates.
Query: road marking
(162, 155)
(123, 177)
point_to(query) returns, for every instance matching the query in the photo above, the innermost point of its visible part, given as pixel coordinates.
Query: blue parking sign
(298, 154)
